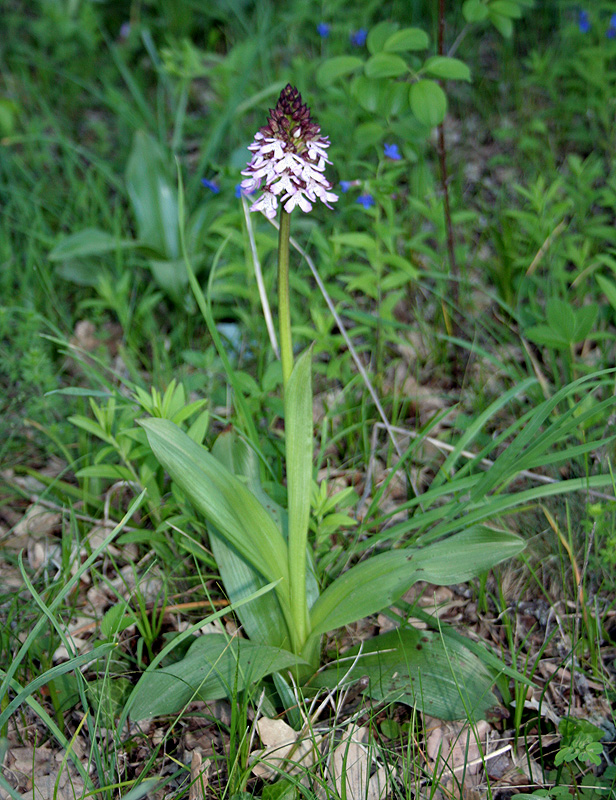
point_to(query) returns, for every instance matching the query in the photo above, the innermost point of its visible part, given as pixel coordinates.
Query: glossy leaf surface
(422, 669)
(213, 668)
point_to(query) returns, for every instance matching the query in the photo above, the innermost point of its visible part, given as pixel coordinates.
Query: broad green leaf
(199, 427)
(222, 498)
(170, 275)
(79, 391)
(503, 24)
(508, 8)
(337, 67)
(107, 698)
(113, 472)
(447, 68)
(145, 788)
(467, 554)
(377, 582)
(366, 588)
(89, 242)
(381, 97)
(212, 668)
(546, 336)
(153, 197)
(560, 316)
(281, 790)
(427, 670)
(89, 425)
(428, 102)
(359, 241)
(585, 318)
(385, 65)
(8, 114)
(117, 619)
(84, 272)
(368, 134)
(407, 39)
(608, 288)
(262, 618)
(378, 35)
(298, 450)
(474, 11)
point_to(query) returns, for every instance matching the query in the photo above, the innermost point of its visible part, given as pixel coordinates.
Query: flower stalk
(284, 298)
(288, 159)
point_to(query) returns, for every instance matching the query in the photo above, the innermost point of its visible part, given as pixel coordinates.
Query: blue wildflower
(365, 200)
(611, 31)
(391, 151)
(359, 37)
(584, 21)
(346, 185)
(239, 191)
(323, 30)
(613, 21)
(210, 185)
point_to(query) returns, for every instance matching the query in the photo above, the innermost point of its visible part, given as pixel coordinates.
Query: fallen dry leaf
(456, 747)
(350, 767)
(40, 772)
(199, 774)
(38, 521)
(283, 751)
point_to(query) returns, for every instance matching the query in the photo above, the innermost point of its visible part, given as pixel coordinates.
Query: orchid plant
(257, 543)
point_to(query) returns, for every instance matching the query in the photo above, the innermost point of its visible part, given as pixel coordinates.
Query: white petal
(273, 146)
(283, 184)
(317, 147)
(267, 203)
(250, 184)
(297, 199)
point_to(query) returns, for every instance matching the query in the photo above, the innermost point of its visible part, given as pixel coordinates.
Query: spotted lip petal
(289, 157)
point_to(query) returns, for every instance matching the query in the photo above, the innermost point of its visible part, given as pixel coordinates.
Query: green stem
(284, 305)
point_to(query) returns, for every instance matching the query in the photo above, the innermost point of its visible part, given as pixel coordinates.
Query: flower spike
(289, 156)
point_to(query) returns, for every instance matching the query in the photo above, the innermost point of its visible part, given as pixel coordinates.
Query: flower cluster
(289, 156)
(611, 31)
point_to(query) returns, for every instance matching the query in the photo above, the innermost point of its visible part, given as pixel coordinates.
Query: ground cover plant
(307, 413)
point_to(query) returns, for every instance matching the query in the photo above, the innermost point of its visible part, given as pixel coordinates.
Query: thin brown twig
(103, 523)
(487, 462)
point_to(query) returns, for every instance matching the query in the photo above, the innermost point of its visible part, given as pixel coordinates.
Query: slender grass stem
(284, 305)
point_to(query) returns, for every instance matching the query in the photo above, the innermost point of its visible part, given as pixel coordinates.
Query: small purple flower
(345, 185)
(210, 185)
(613, 21)
(365, 200)
(125, 30)
(359, 37)
(391, 151)
(584, 21)
(323, 30)
(611, 33)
